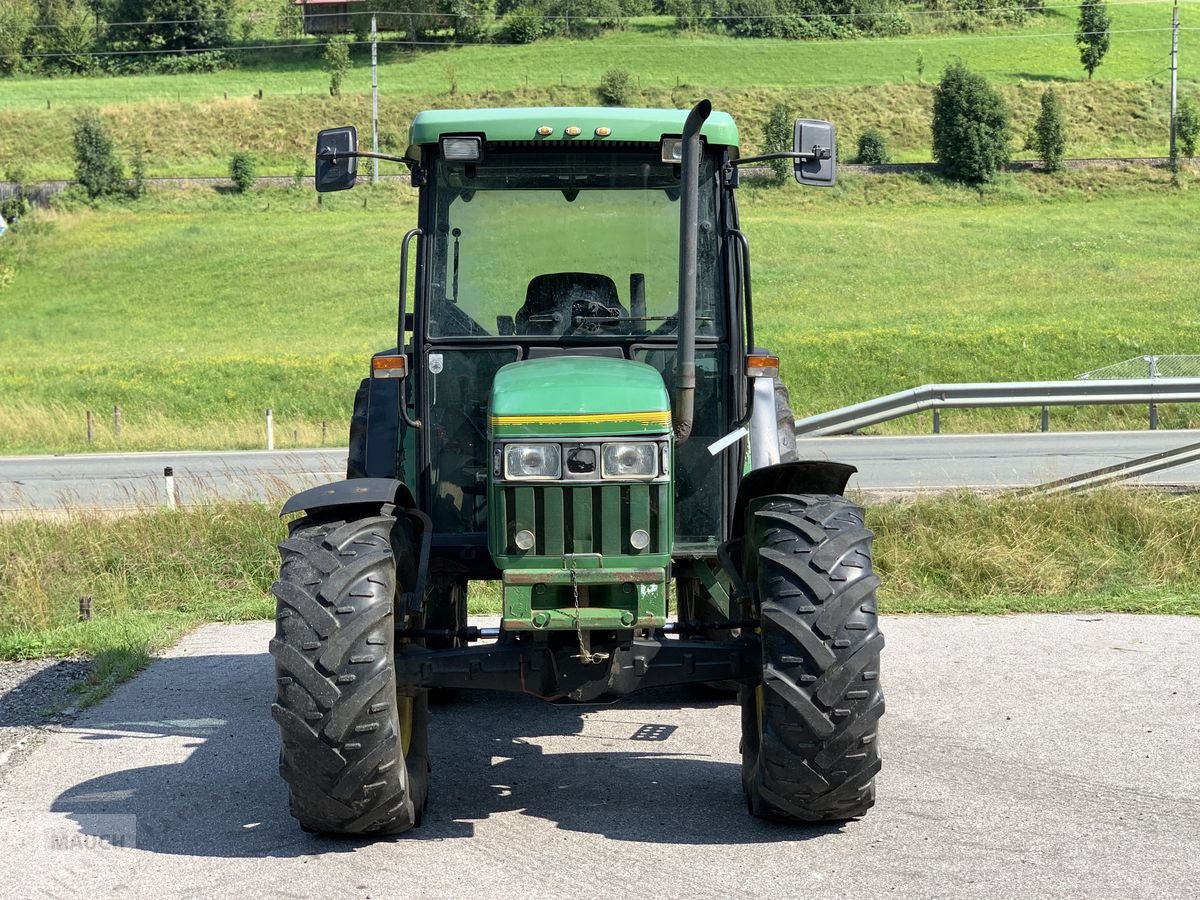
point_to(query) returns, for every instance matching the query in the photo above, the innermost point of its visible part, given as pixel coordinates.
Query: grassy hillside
(190, 124)
(196, 310)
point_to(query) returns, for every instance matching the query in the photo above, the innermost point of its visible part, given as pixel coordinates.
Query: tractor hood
(578, 396)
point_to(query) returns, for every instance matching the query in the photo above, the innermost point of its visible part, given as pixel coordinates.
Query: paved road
(1028, 756)
(931, 462)
(132, 480)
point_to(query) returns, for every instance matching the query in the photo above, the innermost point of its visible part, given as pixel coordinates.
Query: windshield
(549, 244)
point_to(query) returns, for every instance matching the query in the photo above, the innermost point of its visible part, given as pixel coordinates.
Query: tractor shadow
(211, 787)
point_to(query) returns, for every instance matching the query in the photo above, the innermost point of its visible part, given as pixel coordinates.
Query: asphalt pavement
(1024, 756)
(886, 464)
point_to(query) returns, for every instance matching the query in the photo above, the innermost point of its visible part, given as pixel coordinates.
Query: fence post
(116, 421)
(91, 427)
(1045, 419)
(324, 425)
(1153, 363)
(270, 429)
(937, 421)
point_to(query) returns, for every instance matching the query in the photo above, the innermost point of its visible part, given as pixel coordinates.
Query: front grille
(585, 519)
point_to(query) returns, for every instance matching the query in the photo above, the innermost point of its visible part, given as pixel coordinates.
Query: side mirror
(816, 139)
(337, 166)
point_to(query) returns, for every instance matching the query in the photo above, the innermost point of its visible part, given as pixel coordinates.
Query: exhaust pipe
(689, 204)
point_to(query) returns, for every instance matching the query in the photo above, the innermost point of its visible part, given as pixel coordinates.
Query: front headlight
(629, 460)
(533, 461)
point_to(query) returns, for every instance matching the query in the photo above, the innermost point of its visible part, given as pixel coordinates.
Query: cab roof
(625, 125)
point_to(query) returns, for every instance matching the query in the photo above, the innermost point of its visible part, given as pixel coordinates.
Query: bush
(1187, 127)
(17, 203)
(615, 88)
(241, 172)
(970, 126)
(872, 148)
(526, 24)
(777, 136)
(96, 166)
(137, 172)
(337, 62)
(1050, 132)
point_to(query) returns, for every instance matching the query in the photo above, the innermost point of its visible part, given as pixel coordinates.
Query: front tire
(354, 753)
(809, 749)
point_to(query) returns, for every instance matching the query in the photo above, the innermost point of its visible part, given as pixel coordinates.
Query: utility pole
(1174, 75)
(375, 103)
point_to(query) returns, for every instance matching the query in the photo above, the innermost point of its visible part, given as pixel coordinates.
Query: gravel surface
(35, 697)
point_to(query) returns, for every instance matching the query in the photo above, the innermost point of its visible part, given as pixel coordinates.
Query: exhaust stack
(689, 203)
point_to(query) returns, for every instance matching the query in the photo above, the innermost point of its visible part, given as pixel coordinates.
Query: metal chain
(586, 655)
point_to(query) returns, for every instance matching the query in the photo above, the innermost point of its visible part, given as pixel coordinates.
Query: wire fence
(1151, 366)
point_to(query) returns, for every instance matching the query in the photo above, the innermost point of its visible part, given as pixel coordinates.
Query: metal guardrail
(1001, 394)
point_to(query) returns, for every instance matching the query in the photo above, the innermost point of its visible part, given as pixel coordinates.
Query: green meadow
(195, 310)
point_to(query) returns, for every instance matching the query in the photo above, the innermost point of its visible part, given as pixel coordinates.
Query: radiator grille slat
(584, 518)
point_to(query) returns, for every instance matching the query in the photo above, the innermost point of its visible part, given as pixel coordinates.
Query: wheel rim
(404, 707)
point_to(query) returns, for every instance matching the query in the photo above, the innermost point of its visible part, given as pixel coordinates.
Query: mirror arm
(818, 152)
(361, 154)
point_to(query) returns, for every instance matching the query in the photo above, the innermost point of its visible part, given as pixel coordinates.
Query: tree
(67, 30)
(17, 18)
(1050, 132)
(96, 165)
(173, 24)
(1187, 127)
(1092, 34)
(337, 62)
(777, 137)
(970, 126)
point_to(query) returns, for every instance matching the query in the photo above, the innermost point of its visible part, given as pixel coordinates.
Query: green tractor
(575, 408)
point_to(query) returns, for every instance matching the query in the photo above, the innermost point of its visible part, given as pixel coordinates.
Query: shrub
(241, 171)
(97, 168)
(526, 24)
(777, 136)
(615, 88)
(1050, 132)
(970, 126)
(17, 203)
(337, 62)
(872, 148)
(137, 172)
(1187, 127)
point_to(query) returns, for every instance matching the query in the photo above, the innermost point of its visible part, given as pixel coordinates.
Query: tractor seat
(554, 299)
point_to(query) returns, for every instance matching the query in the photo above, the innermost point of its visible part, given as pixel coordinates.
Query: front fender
(810, 476)
(351, 492)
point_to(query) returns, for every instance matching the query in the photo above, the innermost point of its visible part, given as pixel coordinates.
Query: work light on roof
(672, 150)
(462, 149)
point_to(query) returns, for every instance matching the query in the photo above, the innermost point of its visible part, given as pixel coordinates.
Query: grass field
(188, 124)
(195, 311)
(153, 576)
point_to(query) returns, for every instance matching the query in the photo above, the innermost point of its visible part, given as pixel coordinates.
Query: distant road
(130, 480)
(927, 462)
